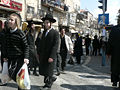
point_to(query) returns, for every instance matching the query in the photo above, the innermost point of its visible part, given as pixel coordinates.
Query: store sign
(15, 5)
(5, 2)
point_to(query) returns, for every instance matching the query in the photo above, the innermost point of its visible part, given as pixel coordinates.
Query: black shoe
(54, 79)
(3, 84)
(36, 74)
(58, 74)
(114, 84)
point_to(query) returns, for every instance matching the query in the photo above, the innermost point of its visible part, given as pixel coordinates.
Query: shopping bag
(12, 69)
(5, 76)
(22, 77)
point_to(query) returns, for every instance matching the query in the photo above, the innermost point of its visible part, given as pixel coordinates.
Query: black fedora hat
(49, 17)
(30, 22)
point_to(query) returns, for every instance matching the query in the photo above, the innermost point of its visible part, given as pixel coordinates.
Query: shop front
(7, 7)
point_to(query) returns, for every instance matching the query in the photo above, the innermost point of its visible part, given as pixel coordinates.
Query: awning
(73, 31)
(8, 9)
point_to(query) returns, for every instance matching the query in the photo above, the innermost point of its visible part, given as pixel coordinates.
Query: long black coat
(48, 49)
(32, 50)
(78, 50)
(113, 49)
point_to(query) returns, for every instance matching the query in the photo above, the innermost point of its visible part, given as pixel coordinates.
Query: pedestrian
(32, 48)
(100, 45)
(2, 43)
(65, 47)
(16, 48)
(113, 49)
(78, 50)
(95, 45)
(58, 60)
(103, 49)
(47, 51)
(87, 44)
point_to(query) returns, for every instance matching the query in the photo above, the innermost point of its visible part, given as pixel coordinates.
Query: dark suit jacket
(48, 49)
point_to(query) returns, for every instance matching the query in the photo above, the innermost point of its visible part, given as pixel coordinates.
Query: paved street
(77, 77)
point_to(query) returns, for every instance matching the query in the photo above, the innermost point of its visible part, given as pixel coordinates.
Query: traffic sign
(102, 17)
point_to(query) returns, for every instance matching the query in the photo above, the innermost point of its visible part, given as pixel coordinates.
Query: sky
(112, 8)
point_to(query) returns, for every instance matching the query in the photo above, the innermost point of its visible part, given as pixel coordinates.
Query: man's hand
(50, 60)
(71, 52)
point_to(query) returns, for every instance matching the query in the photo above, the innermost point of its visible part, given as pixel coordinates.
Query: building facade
(7, 7)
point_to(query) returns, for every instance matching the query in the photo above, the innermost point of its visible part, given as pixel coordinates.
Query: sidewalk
(94, 62)
(76, 77)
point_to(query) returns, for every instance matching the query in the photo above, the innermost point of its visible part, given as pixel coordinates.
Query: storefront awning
(8, 9)
(73, 31)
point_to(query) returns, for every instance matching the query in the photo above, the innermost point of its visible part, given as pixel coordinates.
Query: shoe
(54, 79)
(58, 74)
(34, 73)
(114, 84)
(3, 84)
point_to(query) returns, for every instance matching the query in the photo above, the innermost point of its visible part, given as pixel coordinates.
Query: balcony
(58, 6)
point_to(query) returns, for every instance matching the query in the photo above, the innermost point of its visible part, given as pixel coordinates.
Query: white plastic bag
(22, 77)
(5, 76)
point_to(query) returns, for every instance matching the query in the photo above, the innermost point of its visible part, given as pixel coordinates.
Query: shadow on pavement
(79, 69)
(98, 77)
(88, 87)
(13, 85)
(35, 87)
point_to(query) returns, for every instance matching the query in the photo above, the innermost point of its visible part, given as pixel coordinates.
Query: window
(30, 9)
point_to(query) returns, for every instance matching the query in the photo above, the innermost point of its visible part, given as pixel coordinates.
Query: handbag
(11, 70)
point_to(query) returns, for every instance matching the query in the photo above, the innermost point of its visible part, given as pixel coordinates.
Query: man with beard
(47, 51)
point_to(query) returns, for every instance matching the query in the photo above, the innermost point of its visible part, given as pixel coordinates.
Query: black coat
(78, 50)
(95, 43)
(16, 49)
(87, 42)
(2, 43)
(113, 49)
(32, 50)
(48, 49)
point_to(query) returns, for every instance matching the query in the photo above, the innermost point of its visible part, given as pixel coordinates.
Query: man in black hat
(47, 51)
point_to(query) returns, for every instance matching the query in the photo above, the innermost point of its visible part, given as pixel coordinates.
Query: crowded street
(59, 45)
